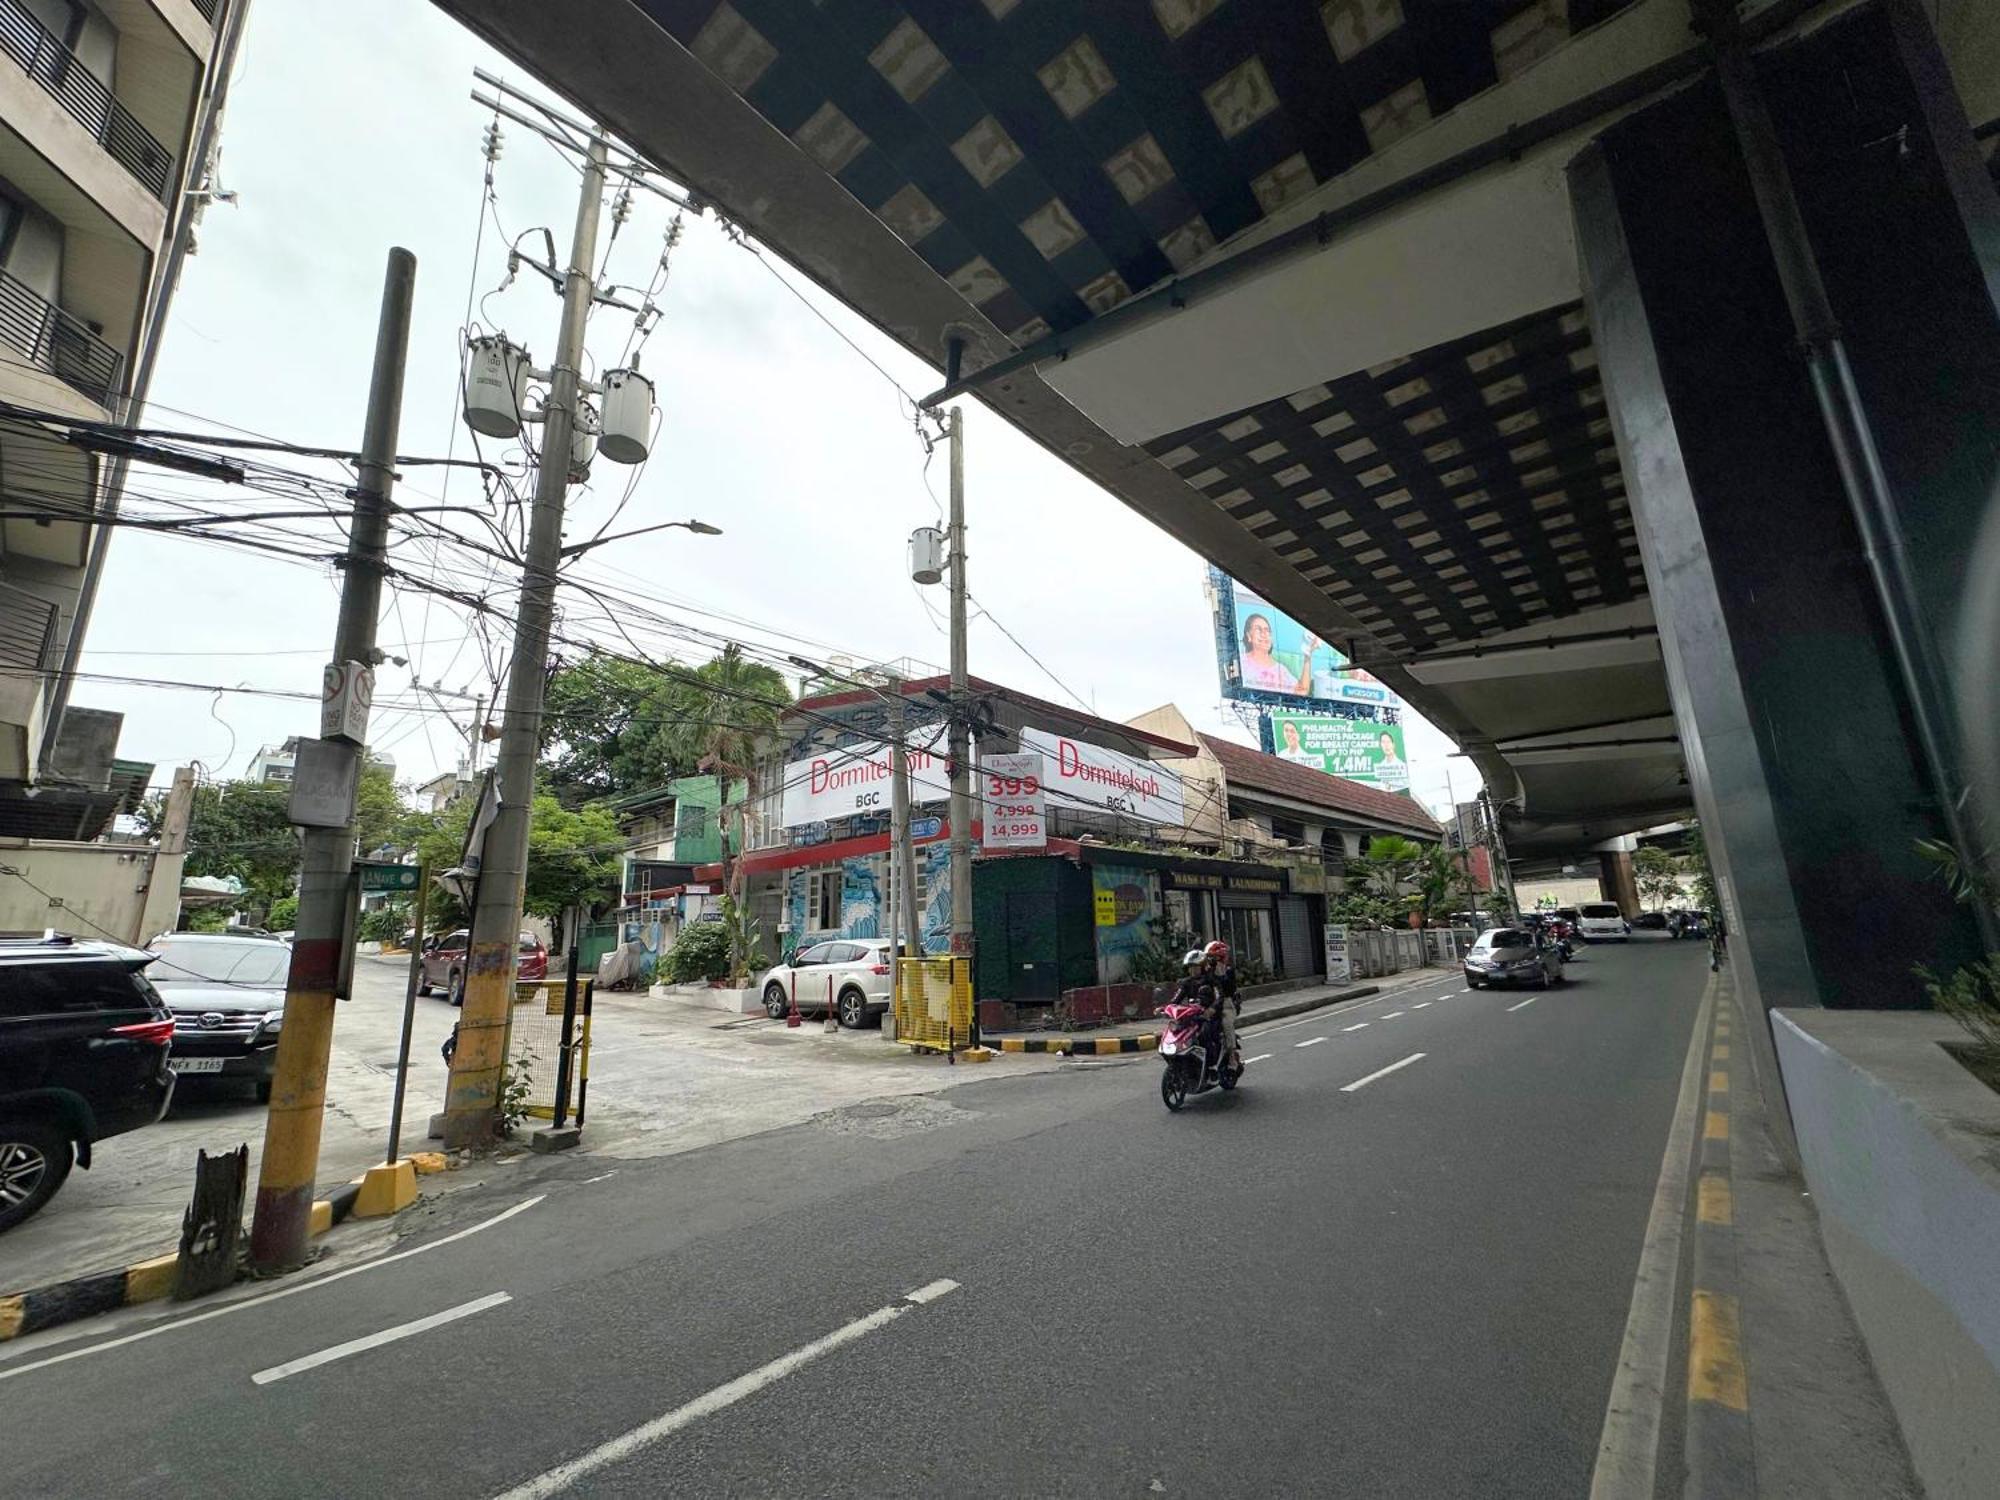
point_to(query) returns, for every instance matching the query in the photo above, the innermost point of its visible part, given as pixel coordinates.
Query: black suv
(83, 1055)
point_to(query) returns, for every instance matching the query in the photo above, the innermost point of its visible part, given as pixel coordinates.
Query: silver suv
(849, 974)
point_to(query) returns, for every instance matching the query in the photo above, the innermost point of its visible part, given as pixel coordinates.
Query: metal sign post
(409, 1002)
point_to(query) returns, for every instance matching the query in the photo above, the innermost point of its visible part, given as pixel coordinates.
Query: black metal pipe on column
(1865, 483)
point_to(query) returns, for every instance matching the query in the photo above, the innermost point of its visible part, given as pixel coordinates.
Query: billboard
(1079, 775)
(858, 779)
(1266, 656)
(1357, 749)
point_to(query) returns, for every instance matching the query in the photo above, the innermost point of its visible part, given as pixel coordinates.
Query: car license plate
(198, 1064)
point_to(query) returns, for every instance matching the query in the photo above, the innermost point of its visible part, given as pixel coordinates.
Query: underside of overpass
(1324, 291)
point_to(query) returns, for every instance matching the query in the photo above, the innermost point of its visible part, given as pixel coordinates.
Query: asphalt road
(1414, 1286)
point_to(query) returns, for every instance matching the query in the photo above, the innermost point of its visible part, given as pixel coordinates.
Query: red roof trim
(769, 861)
(1254, 770)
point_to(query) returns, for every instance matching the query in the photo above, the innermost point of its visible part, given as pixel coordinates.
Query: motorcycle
(1188, 1069)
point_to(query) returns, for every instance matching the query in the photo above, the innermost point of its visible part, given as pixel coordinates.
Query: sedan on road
(1512, 955)
(850, 975)
(228, 999)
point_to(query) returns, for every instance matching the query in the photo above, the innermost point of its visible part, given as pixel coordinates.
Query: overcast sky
(350, 129)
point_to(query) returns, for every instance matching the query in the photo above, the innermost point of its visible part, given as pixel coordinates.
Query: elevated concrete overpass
(1456, 330)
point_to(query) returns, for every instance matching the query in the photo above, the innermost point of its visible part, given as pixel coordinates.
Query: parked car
(1650, 921)
(1512, 955)
(84, 1042)
(227, 995)
(1602, 922)
(851, 974)
(443, 966)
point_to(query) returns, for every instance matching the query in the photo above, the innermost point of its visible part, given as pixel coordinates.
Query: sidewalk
(1782, 1399)
(1142, 1035)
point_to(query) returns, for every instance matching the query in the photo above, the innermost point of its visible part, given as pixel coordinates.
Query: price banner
(1014, 807)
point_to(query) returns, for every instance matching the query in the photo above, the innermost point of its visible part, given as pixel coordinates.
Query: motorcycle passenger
(1230, 1002)
(1199, 988)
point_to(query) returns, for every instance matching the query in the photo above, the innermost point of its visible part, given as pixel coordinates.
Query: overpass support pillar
(1794, 712)
(1616, 881)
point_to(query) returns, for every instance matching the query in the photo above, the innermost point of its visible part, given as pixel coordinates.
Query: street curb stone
(58, 1302)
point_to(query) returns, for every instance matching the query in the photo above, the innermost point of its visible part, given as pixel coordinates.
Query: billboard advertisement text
(1357, 749)
(1266, 656)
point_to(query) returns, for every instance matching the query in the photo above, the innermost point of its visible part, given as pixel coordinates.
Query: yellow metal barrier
(933, 998)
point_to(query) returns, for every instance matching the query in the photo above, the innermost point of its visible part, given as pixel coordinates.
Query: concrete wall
(1901, 1148)
(130, 892)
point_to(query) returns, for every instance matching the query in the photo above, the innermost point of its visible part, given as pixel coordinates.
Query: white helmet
(1194, 959)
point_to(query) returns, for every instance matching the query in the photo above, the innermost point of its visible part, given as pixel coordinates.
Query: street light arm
(699, 528)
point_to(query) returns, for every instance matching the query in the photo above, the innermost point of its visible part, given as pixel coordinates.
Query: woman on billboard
(1262, 670)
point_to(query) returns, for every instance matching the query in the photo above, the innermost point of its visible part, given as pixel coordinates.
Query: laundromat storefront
(1263, 912)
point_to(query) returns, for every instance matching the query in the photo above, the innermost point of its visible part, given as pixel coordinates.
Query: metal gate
(1295, 939)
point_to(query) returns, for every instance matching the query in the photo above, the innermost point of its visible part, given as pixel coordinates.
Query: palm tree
(726, 706)
(1393, 861)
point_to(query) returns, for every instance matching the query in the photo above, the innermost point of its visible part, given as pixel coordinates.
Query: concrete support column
(1616, 880)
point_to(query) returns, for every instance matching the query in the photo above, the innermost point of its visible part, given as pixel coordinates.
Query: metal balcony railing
(208, 8)
(86, 97)
(52, 340)
(27, 630)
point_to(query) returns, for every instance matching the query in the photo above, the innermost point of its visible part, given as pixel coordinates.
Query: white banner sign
(1339, 962)
(859, 779)
(1014, 809)
(1080, 775)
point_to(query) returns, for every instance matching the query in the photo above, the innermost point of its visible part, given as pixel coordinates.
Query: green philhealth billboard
(1363, 750)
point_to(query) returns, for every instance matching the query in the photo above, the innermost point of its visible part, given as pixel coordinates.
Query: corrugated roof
(1267, 773)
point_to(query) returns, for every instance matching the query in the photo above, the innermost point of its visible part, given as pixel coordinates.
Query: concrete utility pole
(470, 1105)
(278, 1230)
(961, 708)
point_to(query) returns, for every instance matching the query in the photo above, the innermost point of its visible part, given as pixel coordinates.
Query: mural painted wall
(1124, 896)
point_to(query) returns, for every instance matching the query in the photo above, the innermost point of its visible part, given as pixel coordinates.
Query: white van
(1602, 922)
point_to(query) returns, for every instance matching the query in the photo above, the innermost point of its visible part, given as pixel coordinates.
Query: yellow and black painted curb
(65, 1301)
(1077, 1046)
(1720, 1459)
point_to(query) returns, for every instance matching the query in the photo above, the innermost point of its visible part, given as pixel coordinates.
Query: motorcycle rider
(1199, 987)
(1230, 1002)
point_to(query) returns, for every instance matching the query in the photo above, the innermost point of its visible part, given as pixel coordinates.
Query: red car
(444, 963)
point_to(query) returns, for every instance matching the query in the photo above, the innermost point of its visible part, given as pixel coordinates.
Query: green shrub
(284, 914)
(384, 926)
(1159, 962)
(699, 955)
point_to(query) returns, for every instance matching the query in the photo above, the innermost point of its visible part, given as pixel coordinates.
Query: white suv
(849, 974)
(1602, 921)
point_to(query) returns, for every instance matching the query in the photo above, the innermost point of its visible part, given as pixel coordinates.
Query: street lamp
(699, 528)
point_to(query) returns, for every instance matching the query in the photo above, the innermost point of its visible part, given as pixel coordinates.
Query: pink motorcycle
(1183, 1048)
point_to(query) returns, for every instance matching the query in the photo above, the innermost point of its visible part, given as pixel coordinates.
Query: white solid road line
(723, 1396)
(376, 1340)
(1357, 1026)
(291, 1291)
(1362, 1083)
(1529, 1001)
(1628, 1449)
(1260, 1057)
(1311, 1042)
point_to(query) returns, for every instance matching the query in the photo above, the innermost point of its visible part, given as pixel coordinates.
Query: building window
(895, 884)
(823, 899)
(1333, 852)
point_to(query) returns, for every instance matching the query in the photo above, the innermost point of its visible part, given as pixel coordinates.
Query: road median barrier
(1076, 1046)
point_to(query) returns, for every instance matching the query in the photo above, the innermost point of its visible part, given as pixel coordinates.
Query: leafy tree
(1658, 874)
(1441, 880)
(732, 702)
(237, 828)
(283, 915)
(383, 822)
(572, 857)
(1705, 890)
(613, 727)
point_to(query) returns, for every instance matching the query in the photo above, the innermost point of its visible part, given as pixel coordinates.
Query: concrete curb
(1108, 1046)
(1076, 1046)
(75, 1297)
(1719, 1456)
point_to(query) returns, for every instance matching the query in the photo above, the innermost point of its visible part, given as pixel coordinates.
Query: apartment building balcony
(27, 652)
(85, 98)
